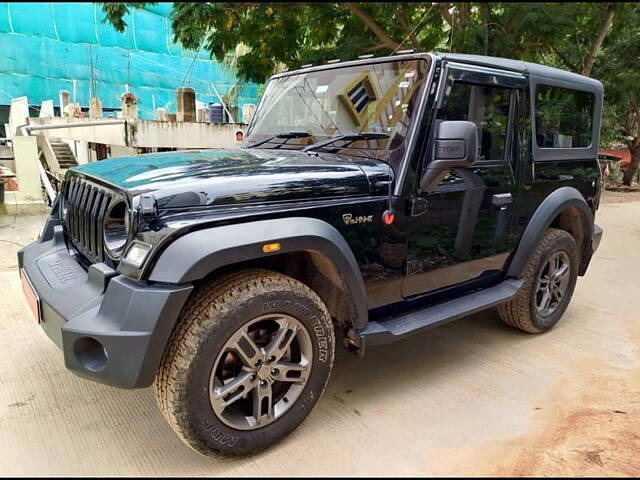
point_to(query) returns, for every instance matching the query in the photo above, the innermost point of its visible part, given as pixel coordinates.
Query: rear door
(459, 232)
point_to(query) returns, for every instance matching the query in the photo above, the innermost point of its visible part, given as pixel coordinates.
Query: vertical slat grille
(102, 209)
(97, 197)
(86, 208)
(83, 215)
(88, 220)
(72, 202)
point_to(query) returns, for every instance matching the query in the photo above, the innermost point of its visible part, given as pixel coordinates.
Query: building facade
(48, 47)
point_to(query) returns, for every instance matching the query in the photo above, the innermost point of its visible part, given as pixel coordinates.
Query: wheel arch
(565, 209)
(311, 251)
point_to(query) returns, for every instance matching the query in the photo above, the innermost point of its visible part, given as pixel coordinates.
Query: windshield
(299, 110)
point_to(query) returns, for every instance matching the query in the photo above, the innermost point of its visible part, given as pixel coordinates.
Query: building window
(488, 108)
(564, 117)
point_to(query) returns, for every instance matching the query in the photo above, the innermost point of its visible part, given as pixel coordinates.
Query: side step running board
(395, 328)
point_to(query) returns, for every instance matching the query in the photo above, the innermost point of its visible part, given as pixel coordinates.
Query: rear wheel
(549, 280)
(247, 362)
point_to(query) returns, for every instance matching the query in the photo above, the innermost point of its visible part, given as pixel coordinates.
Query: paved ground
(472, 397)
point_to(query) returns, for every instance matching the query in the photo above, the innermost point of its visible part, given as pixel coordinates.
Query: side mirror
(455, 145)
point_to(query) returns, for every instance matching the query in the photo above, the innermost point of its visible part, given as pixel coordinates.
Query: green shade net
(48, 47)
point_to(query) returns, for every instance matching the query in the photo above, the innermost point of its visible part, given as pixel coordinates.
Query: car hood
(218, 177)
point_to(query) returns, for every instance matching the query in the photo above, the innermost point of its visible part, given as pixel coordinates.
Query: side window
(563, 117)
(488, 108)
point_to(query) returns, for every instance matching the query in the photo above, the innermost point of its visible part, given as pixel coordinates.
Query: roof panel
(520, 66)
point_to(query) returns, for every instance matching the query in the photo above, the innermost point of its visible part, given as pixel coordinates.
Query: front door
(459, 231)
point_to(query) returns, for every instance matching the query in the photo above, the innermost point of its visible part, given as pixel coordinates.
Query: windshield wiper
(349, 137)
(286, 135)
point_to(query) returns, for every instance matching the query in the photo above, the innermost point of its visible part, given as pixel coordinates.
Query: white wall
(25, 152)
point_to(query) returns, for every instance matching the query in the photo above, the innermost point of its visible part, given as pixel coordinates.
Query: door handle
(501, 199)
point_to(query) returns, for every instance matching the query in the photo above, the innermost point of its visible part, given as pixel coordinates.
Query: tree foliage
(294, 34)
(594, 39)
(297, 33)
(620, 75)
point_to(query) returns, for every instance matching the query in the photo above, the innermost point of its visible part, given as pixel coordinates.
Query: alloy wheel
(261, 371)
(552, 284)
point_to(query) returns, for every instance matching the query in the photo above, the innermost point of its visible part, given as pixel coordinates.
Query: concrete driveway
(473, 397)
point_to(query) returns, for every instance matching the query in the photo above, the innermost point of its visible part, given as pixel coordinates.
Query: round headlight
(116, 229)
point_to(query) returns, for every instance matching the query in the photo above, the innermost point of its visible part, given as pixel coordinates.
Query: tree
(619, 74)
(598, 38)
(586, 38)
(566, 35)
(296, 33)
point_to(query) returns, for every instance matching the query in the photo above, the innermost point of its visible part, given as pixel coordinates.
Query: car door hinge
(148, 208)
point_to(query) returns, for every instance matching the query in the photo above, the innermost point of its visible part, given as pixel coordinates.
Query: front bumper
(111, 329)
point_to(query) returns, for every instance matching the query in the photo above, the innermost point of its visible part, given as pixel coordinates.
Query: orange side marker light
(270, 247)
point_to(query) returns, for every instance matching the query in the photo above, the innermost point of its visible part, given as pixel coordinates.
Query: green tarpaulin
(48, 47)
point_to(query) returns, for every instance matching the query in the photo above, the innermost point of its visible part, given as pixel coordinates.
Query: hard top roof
(520, 66)
(495, 62)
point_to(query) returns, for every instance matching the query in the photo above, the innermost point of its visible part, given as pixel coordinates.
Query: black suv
(372, 199)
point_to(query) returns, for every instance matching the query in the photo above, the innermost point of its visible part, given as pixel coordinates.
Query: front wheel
(247, 362)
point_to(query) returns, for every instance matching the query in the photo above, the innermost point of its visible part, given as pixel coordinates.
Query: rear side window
(564, 117)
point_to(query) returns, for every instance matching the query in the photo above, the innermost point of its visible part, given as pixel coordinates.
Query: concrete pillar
(248, 109)
(64, 100)
(81, 152)
(95, 108)
(18, 115)
(200, 105)
(129, 105)
(233, 109)
(46, 109)
(203, 114)
(25, 152)
(185, 104)
(160, 114)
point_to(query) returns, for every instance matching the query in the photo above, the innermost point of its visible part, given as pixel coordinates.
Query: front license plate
(30, 294)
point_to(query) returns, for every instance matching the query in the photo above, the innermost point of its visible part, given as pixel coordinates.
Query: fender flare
(196, 254)
(547, 211)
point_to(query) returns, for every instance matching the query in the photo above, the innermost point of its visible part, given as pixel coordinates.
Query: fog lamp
(137, 253)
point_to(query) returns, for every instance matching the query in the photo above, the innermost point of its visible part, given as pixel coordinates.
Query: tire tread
(517, 312)
(205, 309)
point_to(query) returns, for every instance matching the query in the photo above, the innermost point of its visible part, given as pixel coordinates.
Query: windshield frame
(431, 61)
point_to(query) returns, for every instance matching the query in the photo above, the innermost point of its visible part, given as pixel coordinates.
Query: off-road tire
(211, 316)
(520, 312)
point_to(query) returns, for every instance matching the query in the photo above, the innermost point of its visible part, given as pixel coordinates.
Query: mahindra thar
(372, 199)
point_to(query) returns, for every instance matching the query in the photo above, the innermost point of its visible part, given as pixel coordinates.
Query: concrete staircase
(56, 157)
(64, 154)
